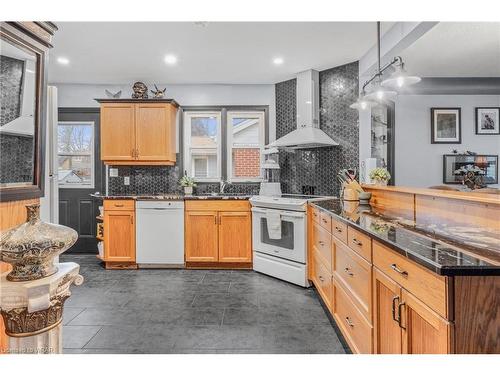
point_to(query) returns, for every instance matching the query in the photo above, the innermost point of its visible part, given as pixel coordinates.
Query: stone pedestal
(33, 310)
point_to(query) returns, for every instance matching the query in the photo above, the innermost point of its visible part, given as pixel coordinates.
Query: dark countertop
(436, 253)
(175, 197)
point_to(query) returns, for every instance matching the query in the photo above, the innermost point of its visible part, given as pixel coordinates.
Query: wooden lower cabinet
(119, 236)
(218, 232)
(235, 237)
(201, 242)
(405, 325)
(322, 279)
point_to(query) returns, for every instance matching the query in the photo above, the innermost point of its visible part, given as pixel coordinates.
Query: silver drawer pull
(321, 278)
(338, 229)
(325, 221)
(399, 270)
(357, 242)
(321, 243)
(351, 324)
(348, 271)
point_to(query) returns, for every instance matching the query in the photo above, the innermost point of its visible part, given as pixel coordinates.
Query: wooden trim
(137, 101)
(216, 205)
(121, 162)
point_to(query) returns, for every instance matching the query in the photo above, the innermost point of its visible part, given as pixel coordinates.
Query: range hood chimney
(308, 134)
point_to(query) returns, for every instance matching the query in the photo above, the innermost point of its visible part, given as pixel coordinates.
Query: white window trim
(250, 114)
(188, 116)
(204, 157)
(92, 156)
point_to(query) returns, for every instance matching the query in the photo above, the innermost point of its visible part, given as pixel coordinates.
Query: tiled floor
(192, 311)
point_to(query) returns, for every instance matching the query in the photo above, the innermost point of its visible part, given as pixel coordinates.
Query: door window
(286, 241)
(75, 154)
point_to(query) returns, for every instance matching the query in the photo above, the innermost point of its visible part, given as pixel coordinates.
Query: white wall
(418, 162)
(80, 95)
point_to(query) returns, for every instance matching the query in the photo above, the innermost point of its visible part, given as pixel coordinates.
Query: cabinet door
(235, 237)
(386, 297)
(117, 131)
(201, 244)
(424, 331)
(119, 236)
(153, 124)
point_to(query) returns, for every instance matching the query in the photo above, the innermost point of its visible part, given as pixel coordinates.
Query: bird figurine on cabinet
(157, 93)
(110, 95)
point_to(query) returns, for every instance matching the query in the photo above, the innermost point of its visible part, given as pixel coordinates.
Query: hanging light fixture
(400, 77)
(363, 102)
(379, 88)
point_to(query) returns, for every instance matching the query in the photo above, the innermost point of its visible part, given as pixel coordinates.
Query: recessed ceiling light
(63, 60)
(278, 61)
(171, 59)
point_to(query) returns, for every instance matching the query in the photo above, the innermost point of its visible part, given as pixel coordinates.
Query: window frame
(188, 167)
(231, 114)
(91, 154)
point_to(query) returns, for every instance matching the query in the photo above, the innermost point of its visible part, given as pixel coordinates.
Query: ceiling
(456, 49)
(213, 52)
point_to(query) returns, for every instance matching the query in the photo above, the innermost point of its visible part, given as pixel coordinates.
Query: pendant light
(378, 92)
(363, 102)
(400, 78)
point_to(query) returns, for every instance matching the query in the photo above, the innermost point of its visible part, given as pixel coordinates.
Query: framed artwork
(487, 120)
(456, 167)
(446, 125)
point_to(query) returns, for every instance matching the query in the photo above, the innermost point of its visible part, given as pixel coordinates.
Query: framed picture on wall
(446, 125)
(487, 120)
(456, 167)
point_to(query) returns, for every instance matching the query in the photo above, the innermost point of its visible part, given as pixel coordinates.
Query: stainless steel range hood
(308, 134)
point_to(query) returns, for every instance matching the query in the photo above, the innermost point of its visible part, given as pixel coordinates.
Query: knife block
(349, 194)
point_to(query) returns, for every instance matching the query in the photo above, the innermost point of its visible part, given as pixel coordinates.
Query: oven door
(291, 245)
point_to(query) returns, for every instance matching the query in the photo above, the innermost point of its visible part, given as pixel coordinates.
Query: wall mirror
(21, 119)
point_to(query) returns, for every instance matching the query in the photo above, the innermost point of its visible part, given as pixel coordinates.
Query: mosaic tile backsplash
(314, 171)
(11, 79)
(164, 180)
(16, 158)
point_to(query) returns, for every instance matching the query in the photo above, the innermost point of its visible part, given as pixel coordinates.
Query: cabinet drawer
(217, 205)
(360, 243)
(339, 230)
(322, 242)
(425, 285)
(356, 329)
(355, 274)
(322, 279)
(325, 220)
(315, 214)
(119, 204)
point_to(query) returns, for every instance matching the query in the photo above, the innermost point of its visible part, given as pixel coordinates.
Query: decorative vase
(188, 190)
(32, 246)
(380, 182)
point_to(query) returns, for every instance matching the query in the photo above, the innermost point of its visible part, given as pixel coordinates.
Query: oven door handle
(299, 215)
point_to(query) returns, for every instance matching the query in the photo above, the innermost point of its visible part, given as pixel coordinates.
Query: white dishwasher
(160, 233)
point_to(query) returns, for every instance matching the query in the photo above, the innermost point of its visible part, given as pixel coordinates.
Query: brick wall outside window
(246, 162)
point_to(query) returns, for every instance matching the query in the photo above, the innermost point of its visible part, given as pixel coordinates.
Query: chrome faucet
(222, 186)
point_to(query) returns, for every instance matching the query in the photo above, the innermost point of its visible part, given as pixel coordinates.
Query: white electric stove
(284, 258)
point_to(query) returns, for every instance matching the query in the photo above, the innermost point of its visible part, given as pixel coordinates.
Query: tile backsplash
(315, 170)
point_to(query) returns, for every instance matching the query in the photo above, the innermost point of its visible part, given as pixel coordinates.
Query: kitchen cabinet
(218, 232)
(119, 234)
(138, 132)
(235, 236)
(404, 324)
(201, 242)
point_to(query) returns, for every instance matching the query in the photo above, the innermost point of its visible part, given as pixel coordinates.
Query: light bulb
(363, 105)
(380, 94)
(400, 81)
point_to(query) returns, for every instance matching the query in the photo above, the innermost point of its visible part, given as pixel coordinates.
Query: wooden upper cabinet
(154, 130)
(140, 133)
(424, 331)
(201, 243)
(119, 236)
(117, 131)
(235, 237)
(386, 298)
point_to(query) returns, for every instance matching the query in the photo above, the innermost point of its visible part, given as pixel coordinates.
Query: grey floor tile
(220, 338)
(75, 337)
(111, 316)
(69, 313)
(187, 317)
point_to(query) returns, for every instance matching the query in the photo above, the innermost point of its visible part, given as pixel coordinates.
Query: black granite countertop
(438, 254)
(175, 197)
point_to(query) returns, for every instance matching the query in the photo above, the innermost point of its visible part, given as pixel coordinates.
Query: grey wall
(418, 162)
(318, 167)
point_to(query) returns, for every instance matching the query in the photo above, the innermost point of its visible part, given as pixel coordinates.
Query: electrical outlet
(126, 180)
(113, 172)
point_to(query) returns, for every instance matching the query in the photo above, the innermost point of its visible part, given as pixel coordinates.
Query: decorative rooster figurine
(158, 94)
